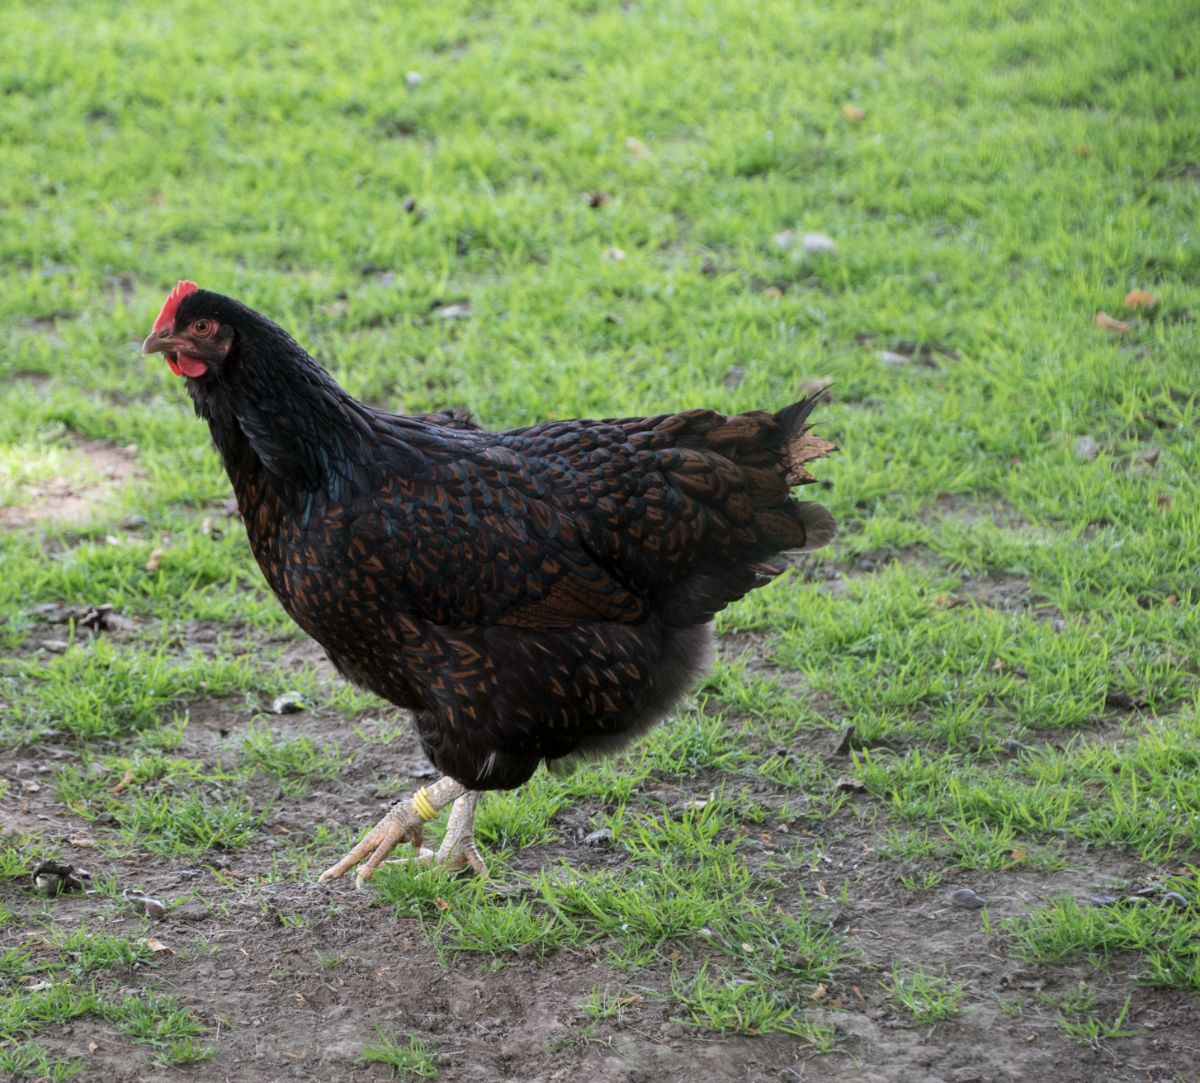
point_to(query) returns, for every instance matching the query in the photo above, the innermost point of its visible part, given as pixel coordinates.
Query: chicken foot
(403, 823)
(458, 849)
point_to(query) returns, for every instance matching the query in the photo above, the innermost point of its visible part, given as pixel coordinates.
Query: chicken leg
(403, 823)
(458, 849)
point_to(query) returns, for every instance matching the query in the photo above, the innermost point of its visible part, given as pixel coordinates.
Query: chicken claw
(458, 849)
(403, 823)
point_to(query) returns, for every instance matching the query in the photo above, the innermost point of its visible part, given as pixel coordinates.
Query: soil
(294, 978)
(96, 469)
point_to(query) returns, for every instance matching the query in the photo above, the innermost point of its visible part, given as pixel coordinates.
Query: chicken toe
(404, 822)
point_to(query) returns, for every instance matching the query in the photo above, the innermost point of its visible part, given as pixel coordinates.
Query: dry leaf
(441, 903)
(853, 113)
(818, 992)
(1103, 319)
(82, 842)
(1164, 502)
(772, 293)
(157, 946)
(92, 1047)
(124, 783)
(1136, 299)
(154, 560)
(1018, 855)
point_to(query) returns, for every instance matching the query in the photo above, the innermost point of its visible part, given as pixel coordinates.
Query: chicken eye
(203, 327)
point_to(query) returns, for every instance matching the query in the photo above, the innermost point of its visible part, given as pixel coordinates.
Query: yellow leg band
(423, 805)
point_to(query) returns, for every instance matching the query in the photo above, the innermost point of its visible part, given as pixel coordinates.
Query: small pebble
(152, 908)
(819, 242)
(413, 79)
(1086, 448)
(291, 702)
(735, 375)
(967, 899)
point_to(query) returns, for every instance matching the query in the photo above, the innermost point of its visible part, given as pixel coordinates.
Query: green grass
(408, 1060)
(924, 997)
(1002, 642)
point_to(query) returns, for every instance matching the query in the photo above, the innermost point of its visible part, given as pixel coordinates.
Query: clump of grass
(1166, 938)
(293, 761)
(30, 1060)
(722, 1001)
(926, 998)
(1081, 1021)
(408, 1060)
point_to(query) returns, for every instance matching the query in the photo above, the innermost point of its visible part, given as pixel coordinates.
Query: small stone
(735, 375)
(967, 899)
(292, 702)
(133, 522)
(151, 907)
(55, 646)
(784, 239)
(57, 877)
(1086, 448)
(227, 975)
(413, 79)
(615, 254)
(819, 243)
(594, 838)
(896, 360)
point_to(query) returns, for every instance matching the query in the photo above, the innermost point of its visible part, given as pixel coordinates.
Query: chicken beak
(158, 342)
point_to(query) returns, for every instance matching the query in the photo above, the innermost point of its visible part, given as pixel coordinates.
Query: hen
(532, 595)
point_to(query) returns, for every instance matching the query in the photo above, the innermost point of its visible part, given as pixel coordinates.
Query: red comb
(166, 318)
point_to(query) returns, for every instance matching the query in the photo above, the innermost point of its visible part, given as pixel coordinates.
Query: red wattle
(191, 366)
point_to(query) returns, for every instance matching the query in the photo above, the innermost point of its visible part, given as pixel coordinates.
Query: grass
(924, 997)
(407, 1060)
(597, 210)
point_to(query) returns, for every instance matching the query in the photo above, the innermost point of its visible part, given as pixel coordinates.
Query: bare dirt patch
(94, 469)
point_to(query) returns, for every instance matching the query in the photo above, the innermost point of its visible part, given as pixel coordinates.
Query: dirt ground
(252, 961)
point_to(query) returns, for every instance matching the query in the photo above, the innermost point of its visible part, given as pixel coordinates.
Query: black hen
(531, 595)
